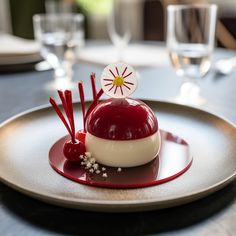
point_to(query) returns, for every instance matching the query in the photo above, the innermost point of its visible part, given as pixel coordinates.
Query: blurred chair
(153, 20)
(21, 16)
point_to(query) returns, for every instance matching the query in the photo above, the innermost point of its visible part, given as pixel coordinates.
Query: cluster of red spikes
(67, 104)
(66, 99)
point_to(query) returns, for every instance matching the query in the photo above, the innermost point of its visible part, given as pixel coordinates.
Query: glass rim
(41, 16)
(174, 7)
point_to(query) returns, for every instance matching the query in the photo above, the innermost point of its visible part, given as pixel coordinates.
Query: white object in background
(12, 45)
(15, 50)
(225, 66)
(138, 55)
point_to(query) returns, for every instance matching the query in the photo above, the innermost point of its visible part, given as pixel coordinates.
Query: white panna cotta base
(123, 153)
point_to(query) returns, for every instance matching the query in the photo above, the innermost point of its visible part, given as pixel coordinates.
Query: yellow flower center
(118, 81)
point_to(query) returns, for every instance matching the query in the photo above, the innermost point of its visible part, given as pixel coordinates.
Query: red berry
(80, 135)
(72, 151)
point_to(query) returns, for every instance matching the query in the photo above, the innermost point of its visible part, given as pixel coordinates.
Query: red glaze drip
(122, 119)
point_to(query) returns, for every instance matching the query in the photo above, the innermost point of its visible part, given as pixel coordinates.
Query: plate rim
(117, 205)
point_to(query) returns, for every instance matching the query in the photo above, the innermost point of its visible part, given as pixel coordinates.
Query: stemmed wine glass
(190, 42)
(118, 23)
(59, 36)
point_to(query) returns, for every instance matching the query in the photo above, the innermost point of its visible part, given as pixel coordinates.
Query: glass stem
(120, 52)
(63, 76)
(59, 72)
(190, 94)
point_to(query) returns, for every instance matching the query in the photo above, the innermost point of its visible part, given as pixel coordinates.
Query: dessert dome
(122, 133)
(122, 119)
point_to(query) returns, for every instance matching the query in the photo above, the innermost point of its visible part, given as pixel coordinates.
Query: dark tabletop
(213, 215)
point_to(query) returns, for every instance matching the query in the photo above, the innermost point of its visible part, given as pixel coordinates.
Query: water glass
(190, 43)
(60, 36)
(119, 25)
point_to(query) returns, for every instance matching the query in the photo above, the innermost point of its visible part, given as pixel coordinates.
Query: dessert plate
(26, 139)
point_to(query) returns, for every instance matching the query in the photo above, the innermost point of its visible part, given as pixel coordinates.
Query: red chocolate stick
(93, 82)
(81, 94)
(61, 116)
(66, 106)
(94, 103)
(64, 103)
(69, 103)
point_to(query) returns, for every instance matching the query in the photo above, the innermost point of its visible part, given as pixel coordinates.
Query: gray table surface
(213, 215)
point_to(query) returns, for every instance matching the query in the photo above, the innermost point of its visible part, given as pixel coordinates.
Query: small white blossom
(91, 170)
(104, 175)
(89, 165)
(95, 166)
(119, 169)
(92, 160)
(103, 168)
(81, 157)
(98, 171)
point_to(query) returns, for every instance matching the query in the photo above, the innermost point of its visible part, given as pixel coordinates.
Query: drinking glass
(118, 23)
(190, 43)
(60, 36)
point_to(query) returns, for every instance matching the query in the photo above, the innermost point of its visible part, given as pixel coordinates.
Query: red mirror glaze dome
(122, 119)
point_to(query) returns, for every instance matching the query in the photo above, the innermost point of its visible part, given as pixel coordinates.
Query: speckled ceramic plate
(26, 139)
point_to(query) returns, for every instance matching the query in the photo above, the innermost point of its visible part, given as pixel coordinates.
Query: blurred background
(148, 17)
